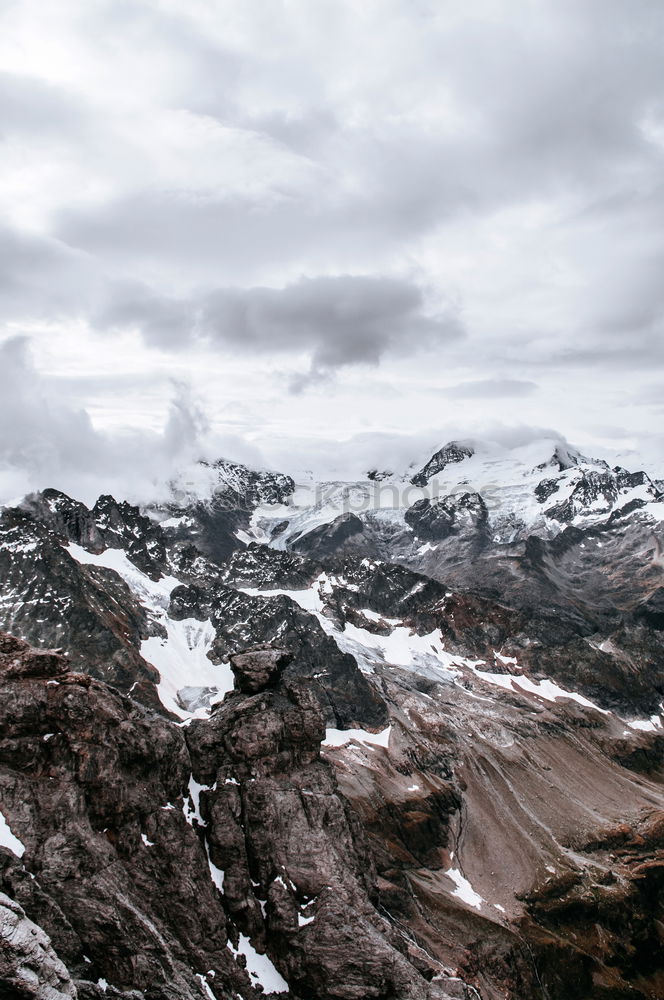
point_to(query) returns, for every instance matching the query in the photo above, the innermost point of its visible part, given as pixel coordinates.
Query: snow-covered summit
(536, 488)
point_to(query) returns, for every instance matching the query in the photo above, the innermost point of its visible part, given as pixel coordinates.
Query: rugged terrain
(398, 738)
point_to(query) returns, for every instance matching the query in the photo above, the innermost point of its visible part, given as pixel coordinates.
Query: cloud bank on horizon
(376, 222)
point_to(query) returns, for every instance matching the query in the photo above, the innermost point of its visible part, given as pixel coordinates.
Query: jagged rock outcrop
(241, 487)
(565, 457)
(50, 599)
(441, 517)
(612, 908)
(29, 968)
(93, 785)
(212, 512)
(591, 492)
(327, 538)
(260, 567)
(143, 893)
(108, 524)
(591, 489)
(258, 668)
(297, 869)
(449, 454)
(241, 620)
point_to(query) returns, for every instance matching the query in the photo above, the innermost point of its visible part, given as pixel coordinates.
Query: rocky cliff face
(183, 862)
(402, 752)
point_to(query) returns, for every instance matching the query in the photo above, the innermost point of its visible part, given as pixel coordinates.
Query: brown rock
(258, 668)
(29, 967)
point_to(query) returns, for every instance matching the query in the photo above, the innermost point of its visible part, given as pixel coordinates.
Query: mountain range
(399, 738)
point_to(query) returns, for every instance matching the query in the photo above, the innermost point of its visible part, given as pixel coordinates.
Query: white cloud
(46, 441)
(291, 191)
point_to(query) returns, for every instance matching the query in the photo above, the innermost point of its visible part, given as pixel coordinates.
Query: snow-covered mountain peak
(450, 454)
(222, 479)
(537, 487)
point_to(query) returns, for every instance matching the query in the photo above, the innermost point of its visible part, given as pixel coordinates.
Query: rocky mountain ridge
(387, 751)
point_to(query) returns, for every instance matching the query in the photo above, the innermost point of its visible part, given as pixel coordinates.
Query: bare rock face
(439, 518)
(449, 454)
(113, 873)
(108, 524)
(48, 598)
(258, 668)
(327, 538)
(19, 660)
(244, 620)
(164, 862)
(299, 876)
(29, 968)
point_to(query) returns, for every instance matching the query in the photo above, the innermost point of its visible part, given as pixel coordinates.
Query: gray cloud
(334, 321)
(492, 388)
(28, 104)
(341, 320)
(540, 112)
(226, 186)
(39, 277)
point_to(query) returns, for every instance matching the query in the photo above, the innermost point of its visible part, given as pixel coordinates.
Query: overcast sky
(261, 227)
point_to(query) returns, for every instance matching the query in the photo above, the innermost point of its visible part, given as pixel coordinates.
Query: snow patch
(422, 653)
(154, 594)
(260, 968)
(205, 986)
(176, 522)
(464, 889)
(373, 616)
(182, 661)
(191, 807)
(216, 874)
(340, 737)
(650, 725)
(181, 657)
(8, 839)
(547, 689)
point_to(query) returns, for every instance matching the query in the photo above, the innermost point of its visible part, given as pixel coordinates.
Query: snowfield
(181, 655)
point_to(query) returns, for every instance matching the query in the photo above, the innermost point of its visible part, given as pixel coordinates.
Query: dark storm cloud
(333, 321)
(341, 320)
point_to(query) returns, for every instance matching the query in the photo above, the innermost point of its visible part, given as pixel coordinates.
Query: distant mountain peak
(565, 456)
(450, 454)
